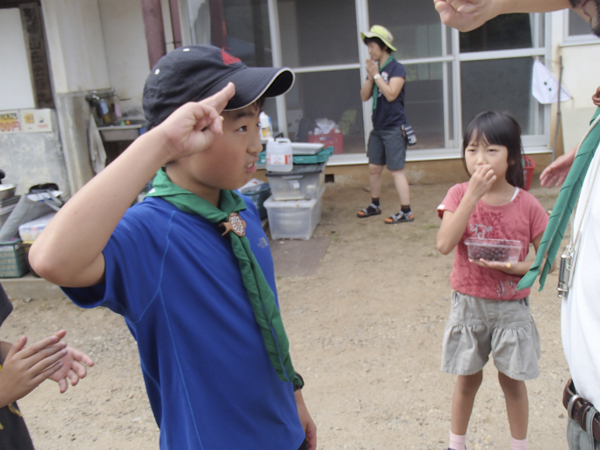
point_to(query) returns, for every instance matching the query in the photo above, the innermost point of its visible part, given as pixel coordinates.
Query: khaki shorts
(478, 326)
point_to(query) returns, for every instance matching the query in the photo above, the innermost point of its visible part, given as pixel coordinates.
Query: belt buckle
(571, 404)
(564, 272)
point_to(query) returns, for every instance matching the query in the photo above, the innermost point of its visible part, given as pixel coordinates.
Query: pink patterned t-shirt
(523, 219)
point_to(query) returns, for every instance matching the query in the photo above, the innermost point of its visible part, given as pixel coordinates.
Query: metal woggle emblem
(235, 224)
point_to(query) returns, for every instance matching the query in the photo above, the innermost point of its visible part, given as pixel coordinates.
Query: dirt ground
(365, 332)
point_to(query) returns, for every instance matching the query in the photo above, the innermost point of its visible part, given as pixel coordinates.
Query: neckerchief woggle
(567, 197)
(375, 88)
(262, 298)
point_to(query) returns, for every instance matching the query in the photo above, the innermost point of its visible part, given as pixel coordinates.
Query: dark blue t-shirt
(178, 284)
(389, 115)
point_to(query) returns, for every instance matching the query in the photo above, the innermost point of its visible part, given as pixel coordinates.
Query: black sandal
(371, 210)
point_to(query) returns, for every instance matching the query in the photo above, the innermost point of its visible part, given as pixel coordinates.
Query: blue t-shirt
(388, 115)
(178, 284)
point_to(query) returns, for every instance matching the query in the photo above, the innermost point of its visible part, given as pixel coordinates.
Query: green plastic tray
(317, 158)
(12, 259)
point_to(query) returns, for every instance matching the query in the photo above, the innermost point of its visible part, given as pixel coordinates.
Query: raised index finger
(219, 100)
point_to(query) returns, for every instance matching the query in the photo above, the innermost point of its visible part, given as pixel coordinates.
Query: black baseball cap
(195, 72)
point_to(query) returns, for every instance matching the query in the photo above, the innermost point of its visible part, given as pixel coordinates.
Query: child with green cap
(385, 82)
(190, 267)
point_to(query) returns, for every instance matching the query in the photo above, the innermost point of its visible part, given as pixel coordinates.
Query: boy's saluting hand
(193, 127)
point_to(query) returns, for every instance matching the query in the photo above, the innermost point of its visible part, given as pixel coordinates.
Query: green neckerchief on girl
(261, 296)
(375, 88)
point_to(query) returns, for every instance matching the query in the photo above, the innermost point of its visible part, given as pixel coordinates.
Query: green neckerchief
(375, 88)
(567, 197)
(261, 296)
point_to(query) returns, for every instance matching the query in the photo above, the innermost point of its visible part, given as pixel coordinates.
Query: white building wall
(125, 43)
(580, 76)
(16, 91)
(75, 45)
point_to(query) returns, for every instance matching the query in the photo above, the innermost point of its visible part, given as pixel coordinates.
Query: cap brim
(252, 83)
(373, 35)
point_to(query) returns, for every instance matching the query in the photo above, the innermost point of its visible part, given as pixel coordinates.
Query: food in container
(501, 250)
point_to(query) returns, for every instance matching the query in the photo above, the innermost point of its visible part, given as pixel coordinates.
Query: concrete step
(30, 286)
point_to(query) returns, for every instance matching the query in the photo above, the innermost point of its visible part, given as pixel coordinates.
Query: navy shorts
(387, 147)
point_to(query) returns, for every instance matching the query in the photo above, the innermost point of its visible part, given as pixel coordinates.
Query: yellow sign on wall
(26, 121)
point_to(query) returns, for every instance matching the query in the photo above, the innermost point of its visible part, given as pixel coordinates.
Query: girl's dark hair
(379, 42)
(498, 129)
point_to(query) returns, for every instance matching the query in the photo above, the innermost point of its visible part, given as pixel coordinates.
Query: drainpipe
(155, 30)
(175, 23)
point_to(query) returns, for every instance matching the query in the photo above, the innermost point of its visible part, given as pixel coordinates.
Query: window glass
(239, 26)
(415, 25)
(578, 26)
(317, 32)
(501, 85)
(424, 103)
(332, 95)
(505, 32)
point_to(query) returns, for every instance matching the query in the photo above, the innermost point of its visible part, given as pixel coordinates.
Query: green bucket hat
(377, 31)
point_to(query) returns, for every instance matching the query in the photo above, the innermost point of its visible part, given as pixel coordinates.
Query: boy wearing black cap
(190, 268)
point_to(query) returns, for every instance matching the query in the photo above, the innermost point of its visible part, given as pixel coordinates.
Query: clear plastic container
(501, 250)
(293, 219)
(304, 182)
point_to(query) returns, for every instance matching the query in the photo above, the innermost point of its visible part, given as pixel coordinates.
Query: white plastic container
(266, 130)
(279, 155)
(293, 219)
(29, 231)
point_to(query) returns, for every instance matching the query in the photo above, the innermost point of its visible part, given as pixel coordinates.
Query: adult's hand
(596, 97)
(465, 15)
(555, 173)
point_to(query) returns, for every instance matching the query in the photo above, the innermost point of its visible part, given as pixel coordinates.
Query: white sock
(518, 444)
(457, 442)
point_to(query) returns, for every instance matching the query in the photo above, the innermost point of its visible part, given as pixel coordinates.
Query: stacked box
(304, 182)
(29, 231)
(293, 219)
(258, 194)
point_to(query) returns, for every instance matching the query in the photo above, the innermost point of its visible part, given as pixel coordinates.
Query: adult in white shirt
(581, 306)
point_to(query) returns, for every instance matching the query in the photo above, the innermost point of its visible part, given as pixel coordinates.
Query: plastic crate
(293, 219)
(334, 138)
(13, 262)
(304, 182)
(528, 168)
(29, 231)
(258, 194)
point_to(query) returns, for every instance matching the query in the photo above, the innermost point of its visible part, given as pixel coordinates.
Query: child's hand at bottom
(73, 368)
(498, 265)
(25, 368)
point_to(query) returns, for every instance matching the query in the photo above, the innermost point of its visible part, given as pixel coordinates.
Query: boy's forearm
(69, 251)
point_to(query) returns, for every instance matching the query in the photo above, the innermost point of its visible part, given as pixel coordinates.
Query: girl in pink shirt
(488, 314)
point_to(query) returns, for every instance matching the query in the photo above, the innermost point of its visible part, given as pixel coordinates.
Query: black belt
(578, 408)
